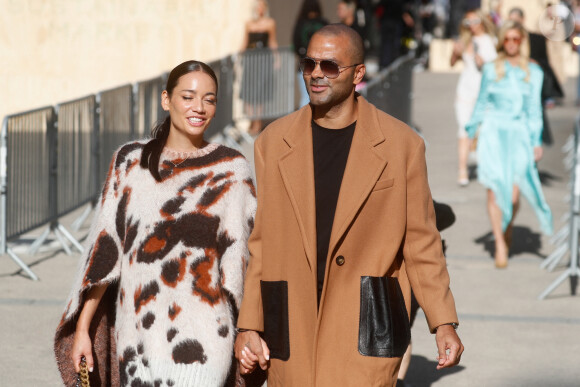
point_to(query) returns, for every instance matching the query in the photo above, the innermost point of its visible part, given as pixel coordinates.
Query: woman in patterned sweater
(156, 298)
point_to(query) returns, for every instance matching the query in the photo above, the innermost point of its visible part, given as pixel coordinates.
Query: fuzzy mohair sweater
(173, 254)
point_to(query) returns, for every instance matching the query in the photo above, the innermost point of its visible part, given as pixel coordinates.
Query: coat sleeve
(533, 105)
(239, 221)
(422, 250)
(482, 101)
(251, 315)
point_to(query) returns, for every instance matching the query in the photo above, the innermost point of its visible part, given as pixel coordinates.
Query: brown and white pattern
(174, 254)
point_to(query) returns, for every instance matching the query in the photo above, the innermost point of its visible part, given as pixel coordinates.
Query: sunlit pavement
(511, 338)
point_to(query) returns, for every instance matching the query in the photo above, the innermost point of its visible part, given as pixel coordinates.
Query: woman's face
(191, 106)
(512, 42)
(473, 22)
(260, 8)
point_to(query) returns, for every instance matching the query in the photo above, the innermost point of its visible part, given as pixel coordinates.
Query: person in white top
(475, 46)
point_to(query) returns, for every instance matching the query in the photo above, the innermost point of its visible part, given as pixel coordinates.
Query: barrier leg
(69, 236)
(560, 236)
(572, 273)
(33, 249)
(22, 265)
(62, 242)
(78, 223)
(555, 257)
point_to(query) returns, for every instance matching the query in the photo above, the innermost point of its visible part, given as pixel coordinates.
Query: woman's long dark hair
(152, 151)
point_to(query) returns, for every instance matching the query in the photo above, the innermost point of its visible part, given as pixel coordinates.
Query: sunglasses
(515, 40)
(329, 68)
(471, 22)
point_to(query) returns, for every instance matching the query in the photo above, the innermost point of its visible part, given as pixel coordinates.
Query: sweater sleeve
(482, 100)
(251, 313)
(101, 261)
(238, 221)
(533, 105)
(422, 250)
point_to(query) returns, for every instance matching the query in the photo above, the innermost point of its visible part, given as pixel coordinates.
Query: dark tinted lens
(329, 68)
(307, 65)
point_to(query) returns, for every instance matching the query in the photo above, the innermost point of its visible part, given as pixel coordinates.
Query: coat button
(340, 260)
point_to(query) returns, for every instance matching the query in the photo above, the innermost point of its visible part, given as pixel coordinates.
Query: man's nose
(317, 72)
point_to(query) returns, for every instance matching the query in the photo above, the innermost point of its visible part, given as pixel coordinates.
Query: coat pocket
(384, 329)
(276, 328)
(383, 184)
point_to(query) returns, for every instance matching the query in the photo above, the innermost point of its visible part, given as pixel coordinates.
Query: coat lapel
(297, 170)
(363, 168)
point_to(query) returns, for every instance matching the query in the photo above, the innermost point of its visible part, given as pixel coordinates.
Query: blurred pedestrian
(394, 16)
(308, 22)
(156, 296)
(508, 114)
(346, 10)
(551, 88)
(474, 47)
(495, 13)
(324, 296)
(257, 85)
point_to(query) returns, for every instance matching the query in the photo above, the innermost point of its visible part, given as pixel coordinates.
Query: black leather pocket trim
(276, 328)
(384, 329)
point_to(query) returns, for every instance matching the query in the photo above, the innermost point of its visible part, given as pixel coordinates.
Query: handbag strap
(83, 375)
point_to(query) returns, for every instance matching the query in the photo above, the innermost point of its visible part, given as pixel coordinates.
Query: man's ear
(165, 100)
(359, 73)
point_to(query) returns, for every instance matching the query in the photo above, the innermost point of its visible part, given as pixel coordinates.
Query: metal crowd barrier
(392, 89)
(266, 82)
(27, 164)
(54, 160)
(115, 127)
(148, 110)
(567, 237)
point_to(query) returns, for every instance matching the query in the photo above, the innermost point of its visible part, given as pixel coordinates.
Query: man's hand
(251, 350)
(447, 339)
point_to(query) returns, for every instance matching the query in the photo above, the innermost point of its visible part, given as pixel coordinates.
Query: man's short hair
(357, 50)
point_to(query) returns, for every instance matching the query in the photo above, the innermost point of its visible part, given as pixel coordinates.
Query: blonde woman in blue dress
(508, 114)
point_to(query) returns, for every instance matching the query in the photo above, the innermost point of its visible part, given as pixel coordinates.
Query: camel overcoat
(384, 228)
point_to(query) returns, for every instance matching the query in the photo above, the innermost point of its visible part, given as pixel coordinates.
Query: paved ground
(511, 338)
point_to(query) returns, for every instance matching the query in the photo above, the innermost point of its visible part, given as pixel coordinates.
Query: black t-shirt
(331, 148)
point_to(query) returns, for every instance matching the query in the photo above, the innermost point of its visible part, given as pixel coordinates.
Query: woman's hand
(456, 53)
(538, 153)
(478, 61)
(82, 346)
(251, 351)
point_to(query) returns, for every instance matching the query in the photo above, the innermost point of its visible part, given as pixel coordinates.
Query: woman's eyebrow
(195, 92)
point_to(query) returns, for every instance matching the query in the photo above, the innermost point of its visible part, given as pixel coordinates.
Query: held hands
(447, 339)
(251, 350)
(82, 346)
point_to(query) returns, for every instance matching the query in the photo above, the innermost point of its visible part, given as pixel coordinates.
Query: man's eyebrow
(330, 58)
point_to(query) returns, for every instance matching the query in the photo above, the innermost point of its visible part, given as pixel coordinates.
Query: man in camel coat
(344, 228)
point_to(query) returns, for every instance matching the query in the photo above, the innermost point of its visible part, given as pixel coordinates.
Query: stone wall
(55, 50)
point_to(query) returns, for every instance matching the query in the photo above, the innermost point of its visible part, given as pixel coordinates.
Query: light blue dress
(508, 114)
